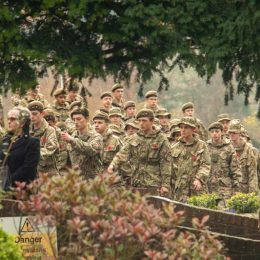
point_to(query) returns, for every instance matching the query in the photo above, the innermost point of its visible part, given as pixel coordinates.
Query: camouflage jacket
(78, 98)
(225, 173)
(249, 181)
(61, 112)
(49, 146)
(190, 161)
(85, 152)
(155, 109)
(29, 98)
(111, 145)
(120, 104)
(62, 156)
(201, 130)
(257, 156)
(149, 158)
(70, 125)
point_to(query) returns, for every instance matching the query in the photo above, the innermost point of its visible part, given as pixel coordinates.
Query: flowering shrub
(205, 200)
(97, 220)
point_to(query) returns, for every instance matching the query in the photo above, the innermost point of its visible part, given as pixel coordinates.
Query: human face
(61, 99)
(100, 126)
(234, 137)
(115, 119)
(36, 117)
(152, 101)
(130, 130)
(189, 112)
(164, 120)
(118, 93)
(216, 135)
(130, 111)
(13, 124)
(225, 124)
(186, 131)
(106, 102)
(72, 95)
(80, 122)
(146, 124)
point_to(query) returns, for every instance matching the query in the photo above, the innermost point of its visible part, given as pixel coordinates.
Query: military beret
(132, 122)
(100, 115)
(36, 106)
(187, 121)
(115, 111)
(151, 93)
(49, 114)
(222, 117)
(129, 104)
(235, 128)
(174, 122)
(106, 94)
(145, 113)
(74, 104)
(186, 106)
(59, 91)
(215, 125)
(62, 126)
(116, 86)
(163, 112)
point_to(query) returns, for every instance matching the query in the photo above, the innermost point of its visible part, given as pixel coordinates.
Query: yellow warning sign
(37, 240)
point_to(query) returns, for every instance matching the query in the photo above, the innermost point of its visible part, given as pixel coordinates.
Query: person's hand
(163, 190)
(110, 169)
(66, 137)
(197, 185)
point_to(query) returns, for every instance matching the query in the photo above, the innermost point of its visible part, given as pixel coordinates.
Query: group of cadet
(175, 157)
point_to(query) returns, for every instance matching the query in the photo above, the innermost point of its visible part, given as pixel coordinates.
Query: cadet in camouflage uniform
(151, 101)
(111, 143)
(84, 145)
(148, 152)
(33, 94)
(49, 145)
(164, 116)
(118, 93)
(60, 107)
(70, 125)
(130, 110)
(245, 154)
(225, 173)
(116, 123)
(73, 93)
(191, 163)
(188, 110)
(224, 119)
(61, 157)
(106, 101)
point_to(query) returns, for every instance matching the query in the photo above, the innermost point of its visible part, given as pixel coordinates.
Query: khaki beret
(36, 106)
(187, 105)
(145, 113)
(163, 112)
(129, 104)
(215, 125)
(106, 94)
(235, 128)
(187, 121)
(151, 93)
(222, 117)
(74, 104)
(59, 91)
(115, 111)
(132, 122)
(116, 86)
(100, 115)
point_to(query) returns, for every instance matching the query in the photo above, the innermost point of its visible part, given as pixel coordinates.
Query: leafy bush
(244, 203)
(8, 249)
(97, 220)
(205, 200)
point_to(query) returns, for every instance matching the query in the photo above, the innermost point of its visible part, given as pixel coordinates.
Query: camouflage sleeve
(235, 170)
(165, 164)
(252, 170)
(121, 156)
(204, 167)
(175, 152)
(51, 144)
(91, 147)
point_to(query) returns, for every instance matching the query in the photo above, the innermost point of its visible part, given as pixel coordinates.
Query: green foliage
(98, 220)
(205, 200)
(8, 249)
(244, 203)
